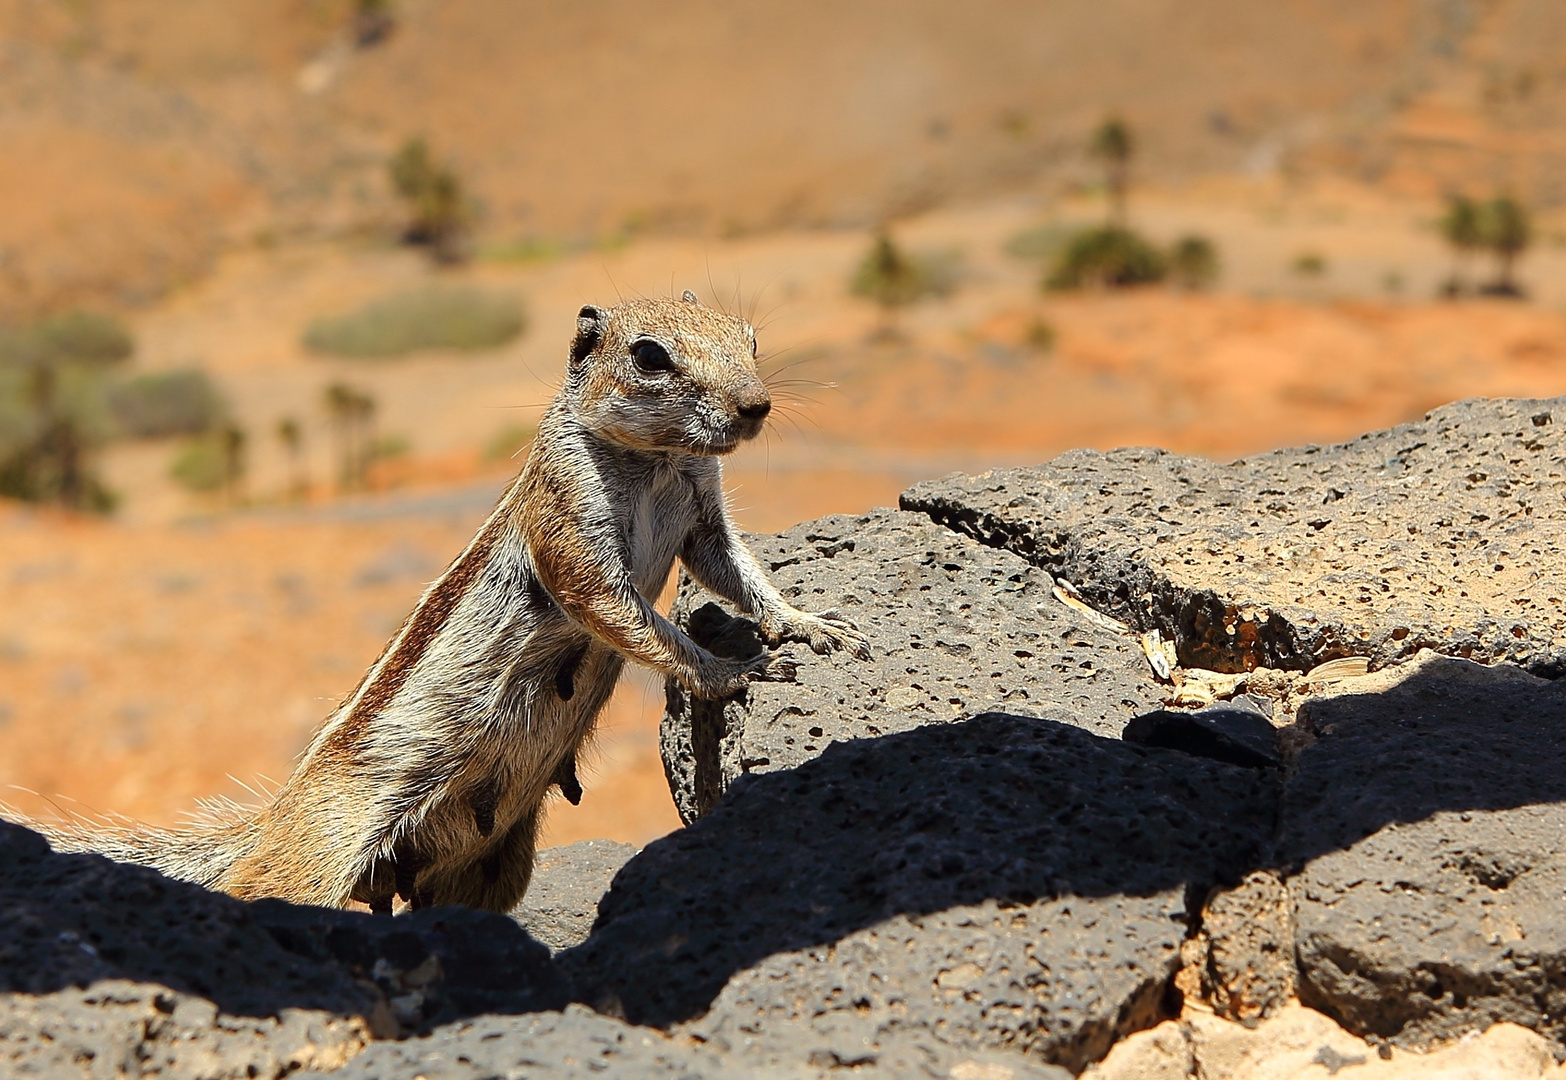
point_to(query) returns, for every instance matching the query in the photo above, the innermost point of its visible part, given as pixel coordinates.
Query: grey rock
(103, 964)
(1428, 826)
(1237, 731)
(562, 899)
(955, 628)
(114, 1029)
(1249, 931)
(576, 1043)
(1441, 534)
(431, 966)
(1000, 883)
(72, 920)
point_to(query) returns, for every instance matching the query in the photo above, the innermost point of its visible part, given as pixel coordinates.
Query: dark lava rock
(1429, 827)
(542, 1046)
(433, 966)
(111, 970)
(562, 899)
(1441, 534)
(955, 628)
(108, 969)
(71, 920)
(997, 883)
(115, 1029)
(1237, 731)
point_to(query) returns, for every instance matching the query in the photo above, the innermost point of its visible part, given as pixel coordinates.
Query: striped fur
(427, 783)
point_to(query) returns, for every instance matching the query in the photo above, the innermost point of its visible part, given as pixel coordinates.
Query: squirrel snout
(753, 406)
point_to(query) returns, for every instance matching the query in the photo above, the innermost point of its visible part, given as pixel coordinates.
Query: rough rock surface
(103, 964)
(577, 1043)
(1236, 731)
(1428, 823)
(1302, 1044)
(1249, 933)
(1441, 534)
(114, 1029)
(1001, 882)
(955, 628)
(562, 899)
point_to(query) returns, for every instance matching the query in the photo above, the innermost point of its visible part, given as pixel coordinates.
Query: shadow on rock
(1003, 881)
(1427, 826)
(70, 921)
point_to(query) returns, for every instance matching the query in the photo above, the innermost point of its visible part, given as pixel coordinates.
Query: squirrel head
(664, 374)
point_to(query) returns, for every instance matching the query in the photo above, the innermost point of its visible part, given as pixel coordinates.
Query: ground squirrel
(427, 782)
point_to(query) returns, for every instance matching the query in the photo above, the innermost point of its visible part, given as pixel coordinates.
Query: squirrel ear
(590, 324)
(690, 298)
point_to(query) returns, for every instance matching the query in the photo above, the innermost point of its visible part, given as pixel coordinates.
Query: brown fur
(429, 780)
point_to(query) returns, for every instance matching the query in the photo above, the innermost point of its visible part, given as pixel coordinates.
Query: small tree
(52, 409)
(1193, 262)
(894, 279)
(1507, 231)
(352, 414)
(439, 213)
(291, 435)
(1463, 230)
(1113, 145)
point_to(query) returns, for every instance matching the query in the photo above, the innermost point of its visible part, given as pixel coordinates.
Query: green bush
(1310, 264)
(439, 210)
(1193, 262)
(893, 278)
(166, 403)
(437, 318)
(77, 337)
(213, 461)
(1110, 256)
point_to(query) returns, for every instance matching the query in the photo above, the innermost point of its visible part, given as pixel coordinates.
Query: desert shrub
(1193, 262)
(894, 278)
(437, 318)
(438, 209)
(213, 461)
(1507, 230)
(1107, 257)
(78, 337)
(166, 403)
(1309, 264)
(1039, 242)
(52, 410)
(1039, 335)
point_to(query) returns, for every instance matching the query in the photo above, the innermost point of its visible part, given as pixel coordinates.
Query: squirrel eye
(651, 358)
(753, 348)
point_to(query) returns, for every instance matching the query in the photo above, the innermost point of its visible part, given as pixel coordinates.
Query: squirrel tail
(202, 852)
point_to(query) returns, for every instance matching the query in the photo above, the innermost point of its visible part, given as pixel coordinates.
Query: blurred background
(284, 285)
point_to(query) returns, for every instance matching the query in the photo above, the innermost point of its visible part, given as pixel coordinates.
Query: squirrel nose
(755, 409)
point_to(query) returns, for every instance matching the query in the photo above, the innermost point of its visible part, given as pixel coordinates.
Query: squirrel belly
(428, 782)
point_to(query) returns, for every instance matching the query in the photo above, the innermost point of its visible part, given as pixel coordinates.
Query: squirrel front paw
(823, 632)
(717, 677)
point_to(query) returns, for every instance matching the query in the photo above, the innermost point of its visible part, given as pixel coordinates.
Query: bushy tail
(201, 853)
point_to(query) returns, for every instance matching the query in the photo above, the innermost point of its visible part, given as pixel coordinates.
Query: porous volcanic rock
(1441, 534)
(1428, 826)
(562, 899)
(104, 964)
(113, 1029)
(110, 970)
(576, 1043)
(1003, 882)
(955, 628)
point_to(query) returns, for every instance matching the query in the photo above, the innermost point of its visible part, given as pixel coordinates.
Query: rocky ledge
(1006, 846)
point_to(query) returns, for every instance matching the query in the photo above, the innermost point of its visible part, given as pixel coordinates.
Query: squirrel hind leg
(495, 881)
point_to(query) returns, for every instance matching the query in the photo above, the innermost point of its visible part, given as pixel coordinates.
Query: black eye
(752, 348)
(651, 357)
